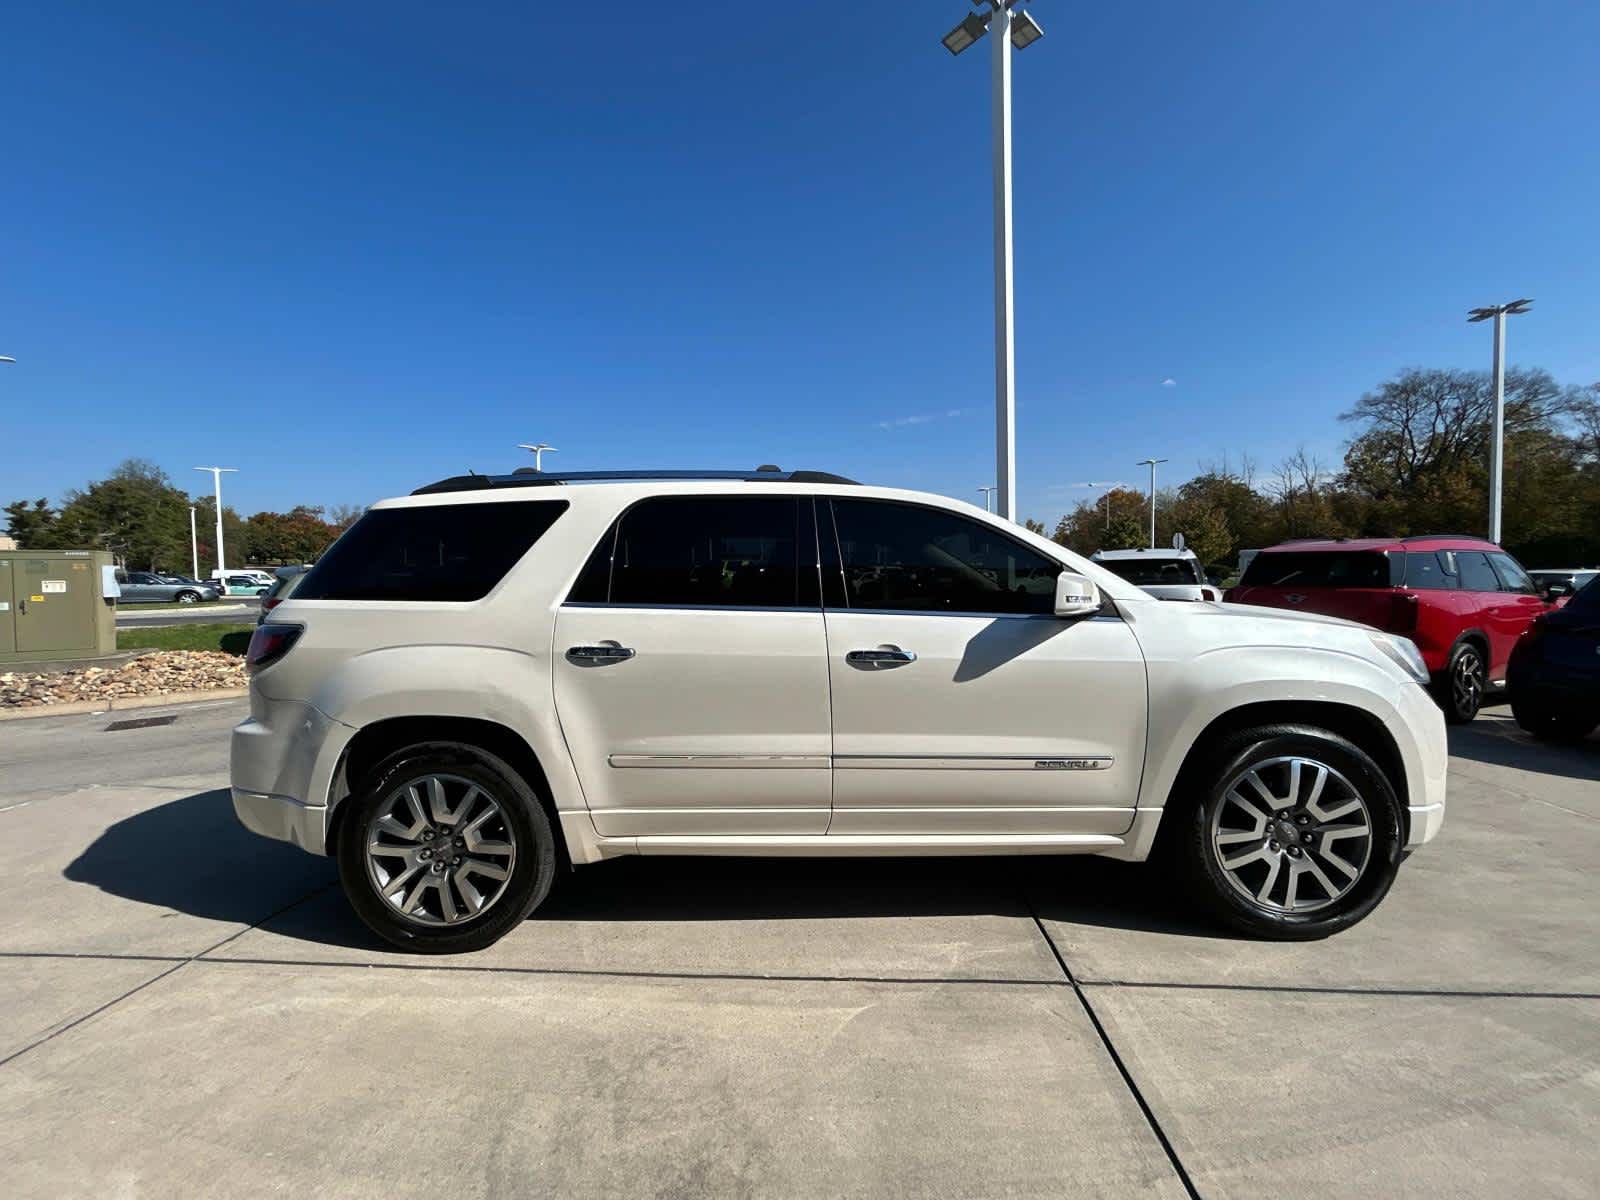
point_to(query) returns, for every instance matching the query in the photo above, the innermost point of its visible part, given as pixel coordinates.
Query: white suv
(499, 676)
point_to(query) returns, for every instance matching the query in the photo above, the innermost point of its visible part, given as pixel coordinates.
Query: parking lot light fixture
(1151, 463)
(538, 450)
(1497, 438)
(1010, 28)
(216, 475)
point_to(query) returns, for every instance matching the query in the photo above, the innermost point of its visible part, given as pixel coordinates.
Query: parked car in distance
(282, 585)
(146, 587)
(1559, 584)
(1462, 600)
(1554, 676)
(243, 585)
(1165, 574)
(261, 578)
(497, 675)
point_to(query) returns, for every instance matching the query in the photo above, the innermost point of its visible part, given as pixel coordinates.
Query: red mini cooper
(1462, 600)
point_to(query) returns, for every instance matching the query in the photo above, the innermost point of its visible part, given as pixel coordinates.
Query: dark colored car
(1554, 677)
(1462, 600)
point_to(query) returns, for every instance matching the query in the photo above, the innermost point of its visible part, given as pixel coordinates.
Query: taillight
(269, 603)
(269, 643)
(1402, 613)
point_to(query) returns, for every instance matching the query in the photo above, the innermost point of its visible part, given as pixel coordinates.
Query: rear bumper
(283, 818)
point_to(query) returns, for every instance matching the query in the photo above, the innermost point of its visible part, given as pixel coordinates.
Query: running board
(870, 844)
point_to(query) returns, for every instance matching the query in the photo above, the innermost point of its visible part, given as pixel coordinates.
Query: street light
(1151, 463)
(1011, 28)
(194, 546)
(1108, 486)
(216, 475)
(1497, 441)
(538, 451)
(988, 492)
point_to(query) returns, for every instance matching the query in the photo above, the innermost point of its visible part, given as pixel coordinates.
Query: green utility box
(56, 604)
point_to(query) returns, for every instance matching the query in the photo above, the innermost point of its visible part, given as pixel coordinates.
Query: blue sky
(349, 248)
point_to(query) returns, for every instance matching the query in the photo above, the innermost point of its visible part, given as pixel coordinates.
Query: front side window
(706, 551)
(908, 558)
(1512, 577)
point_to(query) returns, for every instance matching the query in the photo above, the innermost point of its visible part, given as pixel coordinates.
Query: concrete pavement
(137, 616)
(190, 1008)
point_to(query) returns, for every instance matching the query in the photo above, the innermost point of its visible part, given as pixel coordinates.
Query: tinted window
(1512, 577)
(1154, 571)
(723, 551)
(1587, 602)
(1425, 570)
(902, 556)
(1475, 572)
(1324, 568)
(438, 552)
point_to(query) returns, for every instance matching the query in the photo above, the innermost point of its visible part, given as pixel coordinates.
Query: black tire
(187, 597)
(523, 822)
(1269, 749)
(1549, 725)
(1459, 690)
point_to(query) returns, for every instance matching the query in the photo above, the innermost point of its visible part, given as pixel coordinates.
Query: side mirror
(1076, 596)
(1557, 590)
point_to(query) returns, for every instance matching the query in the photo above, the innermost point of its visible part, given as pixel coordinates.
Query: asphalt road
(134, 616)
(190, 1009)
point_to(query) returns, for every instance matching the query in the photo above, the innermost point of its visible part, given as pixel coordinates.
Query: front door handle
(881, 658)
(594, 655)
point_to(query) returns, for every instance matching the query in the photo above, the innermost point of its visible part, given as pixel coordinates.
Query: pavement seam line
(1402, 993)
(177, 966)
(1116, 1058)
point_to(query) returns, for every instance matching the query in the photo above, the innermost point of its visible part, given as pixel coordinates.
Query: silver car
(143, 587)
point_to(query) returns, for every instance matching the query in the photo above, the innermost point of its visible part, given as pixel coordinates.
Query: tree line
(1418, 462)
(143, 520)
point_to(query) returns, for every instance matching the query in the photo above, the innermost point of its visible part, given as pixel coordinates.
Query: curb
(68, 708)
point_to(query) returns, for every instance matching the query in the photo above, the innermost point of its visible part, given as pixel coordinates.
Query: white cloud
(1169, 381)
(925, 418)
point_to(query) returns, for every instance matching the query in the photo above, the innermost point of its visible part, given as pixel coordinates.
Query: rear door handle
(881, 658)
(594, 655)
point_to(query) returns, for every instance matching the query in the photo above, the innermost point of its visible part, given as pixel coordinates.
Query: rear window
(1324, 569)
(1427, 570)
(1152, 572)
(438, 552)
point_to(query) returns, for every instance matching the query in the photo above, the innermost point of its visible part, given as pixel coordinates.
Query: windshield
(1153, 572)
(1323, 569)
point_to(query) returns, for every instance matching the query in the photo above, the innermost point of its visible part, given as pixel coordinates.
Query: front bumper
(1425, 750)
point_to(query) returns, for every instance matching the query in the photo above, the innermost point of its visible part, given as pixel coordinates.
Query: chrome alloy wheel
(1466, 680)
(440, 850)
(1291, 834)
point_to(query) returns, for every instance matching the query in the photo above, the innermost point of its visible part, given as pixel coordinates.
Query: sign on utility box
(55, 604)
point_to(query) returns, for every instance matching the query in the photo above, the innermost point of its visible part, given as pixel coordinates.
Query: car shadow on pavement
(1072, 888)
(192, 856)
(1502, 744)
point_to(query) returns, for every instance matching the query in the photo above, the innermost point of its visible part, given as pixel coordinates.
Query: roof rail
(523, 477)
(1432, 537)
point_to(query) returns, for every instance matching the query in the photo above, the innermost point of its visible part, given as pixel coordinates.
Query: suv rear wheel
(1296, 836)
(446, 850)
(1460, 689)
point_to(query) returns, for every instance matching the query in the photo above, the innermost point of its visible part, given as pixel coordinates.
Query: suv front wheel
(1296, 836)
(446, 850)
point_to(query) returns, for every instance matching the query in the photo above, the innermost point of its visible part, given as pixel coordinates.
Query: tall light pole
(194, 546)
(1010, 27)
(1497, 439)
(1151, 463)
(988, 494)
(539, 451)
(1108, 486)
(216, 475)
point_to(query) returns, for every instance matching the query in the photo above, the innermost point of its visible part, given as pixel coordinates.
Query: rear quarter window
(1325, 569)
(444, 552)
